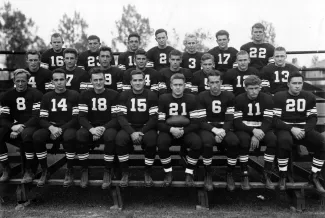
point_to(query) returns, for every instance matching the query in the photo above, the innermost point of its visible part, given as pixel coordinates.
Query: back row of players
(133, 117)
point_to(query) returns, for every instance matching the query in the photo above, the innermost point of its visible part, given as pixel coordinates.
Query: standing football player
(295, 122)
(126, 59)
(53, 57)
(138, 111)
(191, 57)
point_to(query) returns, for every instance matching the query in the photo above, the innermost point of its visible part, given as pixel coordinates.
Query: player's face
(223, 41)
(21, 82)
(70, 60)
(175, 62)
(215, 83)
(177, 86)
(59, 82)
(191, 45)
(161, 38)
(98, 81)
(93, 45)
(280, 58)
(137, 82)
(141, 61)
(258, 34)
(243, 61)
(105, 59)
(295, 85)
(33, 62)
(207, 65)
(57, 43)
(133, 43)
(253, 91)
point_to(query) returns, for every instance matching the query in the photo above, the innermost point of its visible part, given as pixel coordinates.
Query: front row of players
(235, 124)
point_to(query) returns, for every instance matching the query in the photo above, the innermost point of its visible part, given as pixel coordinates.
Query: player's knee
(39, 137)
(109, 136)
(121, 141)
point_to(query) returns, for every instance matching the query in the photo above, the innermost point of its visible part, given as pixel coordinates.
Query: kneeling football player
(97, 117)
(253, 124)
(137, 116)
(218, 109)
(171, 130)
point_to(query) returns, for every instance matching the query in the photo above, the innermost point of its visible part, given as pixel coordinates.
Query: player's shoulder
(125, 94)
(232, 50)
(253, 70)
(72, 92)
(268, 45)
(228, 95)
(49, 95)
(150, 71)
(247, 45)
(214, 50)
(116, 70)
(291, 67)
(80, 71)
(265, 97)
(164, 70)
(43, 71)
(307, 94)
(204, 94)
(231, 72)
(152, 50)
(169, 48)
(241, 98)
(165, 97)
(47, 52)
(197, 73)
(151, 94)
(281, 95)
(189, 97)
(34, 91)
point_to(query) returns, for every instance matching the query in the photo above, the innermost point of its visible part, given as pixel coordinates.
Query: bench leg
(203, 199)
(117, 198)
(299, 200)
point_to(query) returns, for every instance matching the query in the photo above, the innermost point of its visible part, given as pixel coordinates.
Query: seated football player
(178, 121)
(191, 57)
(218, 110)
(199, 81)
(53, 57)
(126, 59)
(97, 117)
(275, 76)
(19, 119)
(233, 79)
(137, 116)
(295, 121)
(58, 122)
(253, 125)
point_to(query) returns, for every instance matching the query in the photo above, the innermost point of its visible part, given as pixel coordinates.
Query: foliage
(269, 32)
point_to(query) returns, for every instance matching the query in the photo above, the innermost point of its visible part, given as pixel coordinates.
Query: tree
(269, 32)
(18, 33)
(132, 22)
(173, 39)
(203, 38)
(73, 31)
(314, 60)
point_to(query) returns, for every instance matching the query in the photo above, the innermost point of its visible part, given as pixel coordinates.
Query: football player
(77, 78)
(260, 52)
(217, 108)
(58, 122)
(171, 105)
(233, 80)
(158, 55)
(253, 125)
(126, 59)
(200, 78)
(152, 77)
(40, 78)
(191, 57)
(53, 57)
(138, 112)
(275, 76)
(97, 117)
(224, 56)
(295, 122)
(19, 119)
(175, 60)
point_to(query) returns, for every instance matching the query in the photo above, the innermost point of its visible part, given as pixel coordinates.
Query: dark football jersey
(52, 60)
(256, 113)
(41, 79)
(152, 79)
(21, 107)
(298, 111)
(77, 79)
(113, 79)
(218, 111)
(192, 61)
(166, 74)
(97, 109)
(59, 108)
(158, 58)
(224, 59)
(233, 79)
(199, 82)
(275, 78)
(88, 60)
(260, 54)
(126, 60)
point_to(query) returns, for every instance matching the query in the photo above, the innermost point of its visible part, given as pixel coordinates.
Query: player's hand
(137, 137)
(95, 131)
(17, 128)
(55, 131)
(258, 133)
(101, 129)
(298, 133)
(176, 132)
(254, 143)
(96, 137)
(218, 138)
(219, 132)
(14, 135)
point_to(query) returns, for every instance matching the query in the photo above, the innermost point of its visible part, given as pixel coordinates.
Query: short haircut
(252, 80)
(106, 48)
(189, 36)
(136, 72)
(295, 74)
(258, 26)
(140, 51)
(95, 70)
(177, 76)
(33, 52)
(222, 33)
(70, 51)
(59, 70)
(214, 73)
(207, 56)
(242, 52)
(280, 48)
(21, 71)
(134, 35)
(56, 35)
(160, 31)
(93, 37)
(175, 52)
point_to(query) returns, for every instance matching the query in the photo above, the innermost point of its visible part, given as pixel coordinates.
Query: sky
(299, 24)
